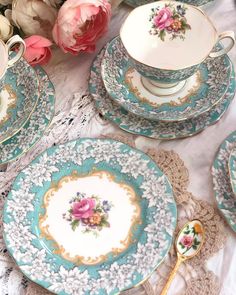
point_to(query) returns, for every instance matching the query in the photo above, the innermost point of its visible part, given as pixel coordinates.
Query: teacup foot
(162, 89)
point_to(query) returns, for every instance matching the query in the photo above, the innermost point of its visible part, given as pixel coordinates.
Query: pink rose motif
(83, 209)
(187, 241)
(38, 50)
(80, 23)
(164, 18)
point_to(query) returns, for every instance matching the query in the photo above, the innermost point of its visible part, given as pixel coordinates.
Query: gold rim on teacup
(162, 41)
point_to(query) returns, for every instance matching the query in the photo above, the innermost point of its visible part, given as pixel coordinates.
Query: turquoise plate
(232, 170)
(201, 92)
(136, 3)
(154, 129)
(224, 194)
(18, 99)
(33, 130)
(91, 216)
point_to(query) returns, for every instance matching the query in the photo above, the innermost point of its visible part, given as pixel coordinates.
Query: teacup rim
(177, 68)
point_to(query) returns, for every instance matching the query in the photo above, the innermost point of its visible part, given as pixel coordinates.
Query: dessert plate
(154, 129)
(232, 170)
(224, 194)
(136, 3)
(201, 91)
(18, 98)
(91, 216)
(38, 122)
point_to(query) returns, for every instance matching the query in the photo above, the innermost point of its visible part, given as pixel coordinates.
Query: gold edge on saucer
(30, 114)
(47, 127)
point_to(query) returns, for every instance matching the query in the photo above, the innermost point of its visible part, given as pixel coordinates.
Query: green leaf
(187, 232)
(162, 35)
(182, 246)
(98, 209)
(194, 247)
(74, 224)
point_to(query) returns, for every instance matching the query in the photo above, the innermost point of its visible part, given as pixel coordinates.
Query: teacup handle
(10, 43)
(229, 35)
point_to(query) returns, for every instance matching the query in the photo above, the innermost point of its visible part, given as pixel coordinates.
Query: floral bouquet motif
(190, 238)
(169, 20)
(91, 214)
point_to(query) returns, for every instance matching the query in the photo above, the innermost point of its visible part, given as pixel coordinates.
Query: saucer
(17, 99)
(91, 216)
(136, 3)
(199, 94)
(232, 170)
(154, 129)
(33, 130)
(224, 194)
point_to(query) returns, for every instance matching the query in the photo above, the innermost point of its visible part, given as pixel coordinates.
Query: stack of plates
(121, 97)
(26, 109)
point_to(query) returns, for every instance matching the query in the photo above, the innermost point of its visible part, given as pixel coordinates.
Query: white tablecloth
(76, 117)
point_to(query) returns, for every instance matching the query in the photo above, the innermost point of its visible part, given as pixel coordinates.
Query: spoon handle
(172, 275)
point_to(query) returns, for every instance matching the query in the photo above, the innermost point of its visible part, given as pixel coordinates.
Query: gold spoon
(188, 243)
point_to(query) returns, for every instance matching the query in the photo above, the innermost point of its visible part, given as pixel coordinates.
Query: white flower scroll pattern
(221, 181)
(111, 277)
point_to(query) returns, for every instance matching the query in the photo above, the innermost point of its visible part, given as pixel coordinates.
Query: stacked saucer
(26, 109)
(134, 93)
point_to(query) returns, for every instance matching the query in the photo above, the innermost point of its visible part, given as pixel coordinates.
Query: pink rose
(37, 50)
(164, 18)
(187, 241)
(80, 23)
(83, 209)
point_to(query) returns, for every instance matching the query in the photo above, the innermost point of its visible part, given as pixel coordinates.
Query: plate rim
(173, 211)
(43, 72)
(26, 119)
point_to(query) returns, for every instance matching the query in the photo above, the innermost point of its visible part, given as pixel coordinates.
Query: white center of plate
(7, 100)
(89, 217)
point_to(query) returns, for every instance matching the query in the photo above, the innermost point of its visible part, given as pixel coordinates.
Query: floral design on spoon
(169, 20)
(89, 213)
(190, 238)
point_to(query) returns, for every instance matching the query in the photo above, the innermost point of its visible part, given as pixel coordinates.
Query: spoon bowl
(188, 244)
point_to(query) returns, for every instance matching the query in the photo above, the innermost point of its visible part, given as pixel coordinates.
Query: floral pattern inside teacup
(89, 213)
(169, 20)
(190, 238)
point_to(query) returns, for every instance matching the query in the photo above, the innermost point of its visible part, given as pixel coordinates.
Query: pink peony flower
(37, 50)
(187, 241)
(80, 23)
(83, 209)
(164, 18)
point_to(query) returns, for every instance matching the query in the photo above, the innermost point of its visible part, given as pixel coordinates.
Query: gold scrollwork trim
(180, 100)
(10, 105)
(59, 249)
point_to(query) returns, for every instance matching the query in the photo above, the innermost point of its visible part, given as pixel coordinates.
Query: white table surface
(70, 74)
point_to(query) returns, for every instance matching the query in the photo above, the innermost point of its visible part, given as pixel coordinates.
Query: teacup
(167, 41)
(5, 60)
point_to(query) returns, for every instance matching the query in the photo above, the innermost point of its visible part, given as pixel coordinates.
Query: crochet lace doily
(78, 118)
